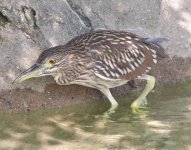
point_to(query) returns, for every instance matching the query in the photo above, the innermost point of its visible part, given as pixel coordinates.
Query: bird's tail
(160, 46)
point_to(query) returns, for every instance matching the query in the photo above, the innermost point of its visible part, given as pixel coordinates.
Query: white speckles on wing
(128, 37)
(122, 56)
(135, 54)
(148, 69)
(154, 56)
(100, 68)
(139, 61)
(107, 57)
(117, 75)
(120, 70)
(107, 47)
(125, 71)
(103, 77)
(112, 74)
(134, 46)
(155, 61)
(106, 73)
(96, 37)
(127, 58)
(114, 43)
(115, 65)
(131, 50)
(109, 39)
(105, 60)
(131, 59)
(142, 60)
(130, 42)
(155, 45)
(118, 59)
(129, 55)
(122, 42)
(147, 47)
(142, 54)
(136, 39)
(132, 67)
(128, 70)
(136, 64)
(123, 39)
(117, 40)
(103, 46)
(153, 51)
(113, 60)
(110, 64)
(140, 45)
(124, 61)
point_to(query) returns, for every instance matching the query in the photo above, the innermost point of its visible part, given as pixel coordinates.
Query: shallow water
(167, 126)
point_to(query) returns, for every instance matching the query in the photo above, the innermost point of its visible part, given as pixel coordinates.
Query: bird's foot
(140, 110)
(140, 107)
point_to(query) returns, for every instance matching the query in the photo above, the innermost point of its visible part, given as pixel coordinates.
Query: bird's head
(50, 62)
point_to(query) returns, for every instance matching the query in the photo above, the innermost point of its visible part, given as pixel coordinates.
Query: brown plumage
(111, 54)
(103, 60)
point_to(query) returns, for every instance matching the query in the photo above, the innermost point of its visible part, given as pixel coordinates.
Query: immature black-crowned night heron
(101, 60)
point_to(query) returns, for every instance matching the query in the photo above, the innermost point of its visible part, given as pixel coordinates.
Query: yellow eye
(52, 62)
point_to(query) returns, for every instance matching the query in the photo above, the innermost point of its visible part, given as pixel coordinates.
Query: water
(167, 126)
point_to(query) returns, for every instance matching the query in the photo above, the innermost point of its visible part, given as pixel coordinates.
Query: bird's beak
(34, 71)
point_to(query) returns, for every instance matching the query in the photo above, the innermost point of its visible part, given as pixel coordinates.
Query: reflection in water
(166, 126)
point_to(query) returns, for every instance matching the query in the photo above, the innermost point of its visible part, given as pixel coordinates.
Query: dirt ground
(56, 96)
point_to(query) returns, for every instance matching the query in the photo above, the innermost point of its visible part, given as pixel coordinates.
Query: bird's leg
(141, 100)
(113, 102)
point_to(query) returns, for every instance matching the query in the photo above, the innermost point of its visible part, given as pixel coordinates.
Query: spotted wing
(121, 55)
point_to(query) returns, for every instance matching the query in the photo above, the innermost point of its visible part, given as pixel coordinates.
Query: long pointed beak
(34, 71)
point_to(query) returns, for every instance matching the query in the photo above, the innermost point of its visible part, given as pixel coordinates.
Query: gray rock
(29, 27)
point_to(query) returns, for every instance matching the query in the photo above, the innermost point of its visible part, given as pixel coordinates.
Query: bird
(102, 59)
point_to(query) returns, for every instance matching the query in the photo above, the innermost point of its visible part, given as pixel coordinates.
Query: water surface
(167, 126)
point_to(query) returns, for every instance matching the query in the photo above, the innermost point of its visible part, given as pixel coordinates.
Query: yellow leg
(141, 101)
(113, 102)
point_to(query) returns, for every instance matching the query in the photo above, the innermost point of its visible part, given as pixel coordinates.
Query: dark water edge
(167, 125)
